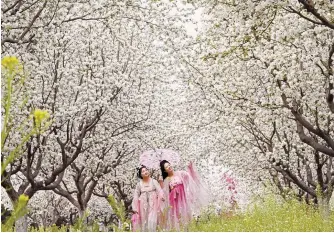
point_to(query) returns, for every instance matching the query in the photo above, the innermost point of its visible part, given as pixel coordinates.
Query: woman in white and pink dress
(147, 202)
(185, 194)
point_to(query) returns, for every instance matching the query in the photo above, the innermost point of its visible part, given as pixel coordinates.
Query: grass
(268, 216)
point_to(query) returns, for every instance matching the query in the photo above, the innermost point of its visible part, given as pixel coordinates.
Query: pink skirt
(180, 211)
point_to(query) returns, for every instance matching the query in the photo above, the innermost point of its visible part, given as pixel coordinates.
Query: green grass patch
(269, 215)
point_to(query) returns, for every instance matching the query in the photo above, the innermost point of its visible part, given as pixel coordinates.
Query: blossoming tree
(265, 69)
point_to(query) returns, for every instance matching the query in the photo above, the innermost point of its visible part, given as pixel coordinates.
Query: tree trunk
(44, 219)
(324, 208)
(82, 213)
(21, 225)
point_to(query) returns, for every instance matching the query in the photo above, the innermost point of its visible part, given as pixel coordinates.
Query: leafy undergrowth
(270, 215)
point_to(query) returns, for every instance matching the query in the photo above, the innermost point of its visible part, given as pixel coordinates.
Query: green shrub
(119, 210)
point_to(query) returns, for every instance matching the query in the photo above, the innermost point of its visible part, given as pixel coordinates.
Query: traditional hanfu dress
(185, 195)
(147, 201)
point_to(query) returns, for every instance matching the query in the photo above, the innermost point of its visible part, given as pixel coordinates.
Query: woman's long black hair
(162, 168)
(139, 171)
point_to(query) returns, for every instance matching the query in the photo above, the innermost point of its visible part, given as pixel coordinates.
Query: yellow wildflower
(40, 115)
(23, 198)
(10, 63)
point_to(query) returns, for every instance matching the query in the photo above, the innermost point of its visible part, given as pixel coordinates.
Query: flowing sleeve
(165, 190)
(135, 219)
(161, 182)
(161, 195)
(159, 189)
(165, 206)
(135, 200)
(197, 192)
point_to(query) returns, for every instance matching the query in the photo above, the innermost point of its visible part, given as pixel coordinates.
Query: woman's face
(145, 172)
(168, 168)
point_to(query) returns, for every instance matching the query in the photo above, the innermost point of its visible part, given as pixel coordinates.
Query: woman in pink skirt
(185, 195)
(147, 202)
